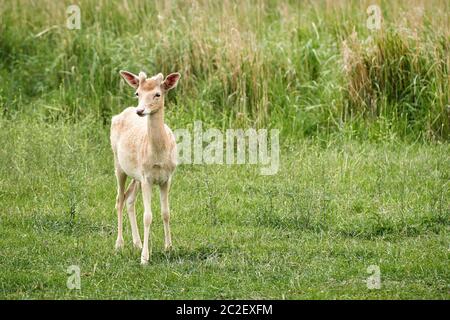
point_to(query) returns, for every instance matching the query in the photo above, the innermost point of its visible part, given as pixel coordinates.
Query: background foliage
(308, 67)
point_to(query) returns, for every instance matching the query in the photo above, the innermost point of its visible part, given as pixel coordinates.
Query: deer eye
(158, 95)
(136, 94)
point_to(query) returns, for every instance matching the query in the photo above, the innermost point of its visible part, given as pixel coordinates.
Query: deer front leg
(147, 197)
(130, 199)
(165, 212)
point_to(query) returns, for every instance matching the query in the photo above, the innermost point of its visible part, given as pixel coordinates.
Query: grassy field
(364, 124)
(310, 231)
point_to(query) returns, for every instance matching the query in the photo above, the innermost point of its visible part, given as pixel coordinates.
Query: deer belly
(130, 166)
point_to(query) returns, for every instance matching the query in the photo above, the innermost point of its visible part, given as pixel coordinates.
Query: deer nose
(140, 112)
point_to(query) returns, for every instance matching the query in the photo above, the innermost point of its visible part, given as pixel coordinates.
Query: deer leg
(147, 198)
(165, 212)
(130, 199)
(121, 179)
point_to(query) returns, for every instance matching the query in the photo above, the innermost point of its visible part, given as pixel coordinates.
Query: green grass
(310, 231)
(243, 63)
(364, 124)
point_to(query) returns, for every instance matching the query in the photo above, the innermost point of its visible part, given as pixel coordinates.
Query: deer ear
(171, 81)
(130, 78)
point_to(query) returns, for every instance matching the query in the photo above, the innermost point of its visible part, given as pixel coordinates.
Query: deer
(144, 150)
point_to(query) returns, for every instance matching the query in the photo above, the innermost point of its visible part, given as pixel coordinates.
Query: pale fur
(145, 150)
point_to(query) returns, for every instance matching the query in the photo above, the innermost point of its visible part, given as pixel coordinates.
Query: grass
(364, 124)
(310, 231)
(270, 63)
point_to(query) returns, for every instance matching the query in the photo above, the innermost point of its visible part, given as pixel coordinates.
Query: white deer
(144, 150)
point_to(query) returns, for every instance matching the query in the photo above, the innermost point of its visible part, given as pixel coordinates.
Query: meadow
(364, 124)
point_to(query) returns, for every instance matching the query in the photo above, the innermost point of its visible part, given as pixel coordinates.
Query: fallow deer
(145, 150)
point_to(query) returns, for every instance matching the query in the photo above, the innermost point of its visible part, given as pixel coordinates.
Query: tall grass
(299, 65)
(396, 75)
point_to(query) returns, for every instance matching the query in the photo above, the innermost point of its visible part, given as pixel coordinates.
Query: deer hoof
(119, 244)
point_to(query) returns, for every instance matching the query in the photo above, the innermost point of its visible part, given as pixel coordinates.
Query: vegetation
(275, 63)
(364, 178)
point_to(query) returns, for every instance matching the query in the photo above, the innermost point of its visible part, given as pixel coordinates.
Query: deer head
(150, 91)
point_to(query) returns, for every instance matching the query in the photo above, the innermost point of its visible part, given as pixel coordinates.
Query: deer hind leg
(130, 199)
(165, 212)
(121, 179)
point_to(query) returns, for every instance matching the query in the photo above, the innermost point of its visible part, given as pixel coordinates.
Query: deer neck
(156, 131)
